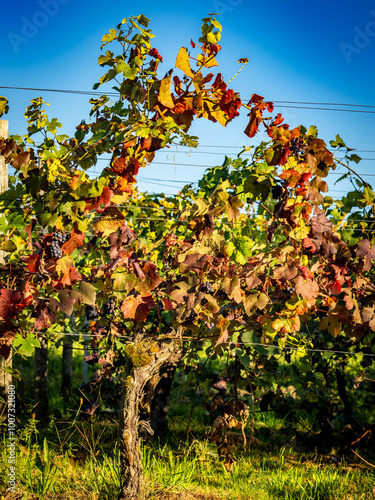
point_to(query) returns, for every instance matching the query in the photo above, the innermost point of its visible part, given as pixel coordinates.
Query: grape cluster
(297, 146)
(192, 316)
(91, 313)
(276, 191)
(206, 287)
(110, 307)
(58, 239)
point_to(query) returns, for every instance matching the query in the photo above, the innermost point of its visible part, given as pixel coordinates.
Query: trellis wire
(292, 348)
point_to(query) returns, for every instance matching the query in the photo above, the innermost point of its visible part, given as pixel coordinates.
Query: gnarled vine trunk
(161, 354)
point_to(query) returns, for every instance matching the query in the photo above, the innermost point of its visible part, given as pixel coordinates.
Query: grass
(72, 463)
(73, 459)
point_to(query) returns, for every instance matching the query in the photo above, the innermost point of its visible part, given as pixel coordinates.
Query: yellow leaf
(165, 96)
(118, 199)
(182, 62)
(211, 61)
(300, 232)
(105, 224)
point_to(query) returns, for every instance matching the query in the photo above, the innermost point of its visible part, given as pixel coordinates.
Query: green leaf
(368, 196)
(8, 246)
(313, 131)
(354, 158)
(143, 20)
(26, 346)
(250, 337)
(338, 143)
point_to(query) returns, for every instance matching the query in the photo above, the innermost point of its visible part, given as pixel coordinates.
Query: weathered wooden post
(5, 378)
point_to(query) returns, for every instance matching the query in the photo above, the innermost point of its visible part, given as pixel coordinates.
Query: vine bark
(169, 353)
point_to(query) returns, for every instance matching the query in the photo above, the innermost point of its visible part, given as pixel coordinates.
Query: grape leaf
(137, 307)
(26, 346)
(367, 252)
(88, 293)
(183, 62)
(307, 288)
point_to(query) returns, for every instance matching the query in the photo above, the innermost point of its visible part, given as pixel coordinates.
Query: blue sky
(299, 51)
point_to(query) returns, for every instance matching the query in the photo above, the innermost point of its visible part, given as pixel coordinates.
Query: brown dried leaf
(285, 273)
(366, 252)
(308, 288)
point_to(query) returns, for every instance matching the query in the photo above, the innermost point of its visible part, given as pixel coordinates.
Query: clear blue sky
(298, 51)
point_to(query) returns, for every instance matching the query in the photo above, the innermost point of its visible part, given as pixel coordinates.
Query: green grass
(68, 458)
(73, 464)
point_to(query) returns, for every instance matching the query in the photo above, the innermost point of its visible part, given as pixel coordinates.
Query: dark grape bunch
(206, 287)
(192, 316)
(297, 146)
(91, 313)
(58, 239)
(110, 307)
(276, 191)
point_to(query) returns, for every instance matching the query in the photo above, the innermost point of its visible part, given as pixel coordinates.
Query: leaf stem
(351, 170)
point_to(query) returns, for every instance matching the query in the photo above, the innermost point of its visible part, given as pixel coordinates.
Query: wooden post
(41, 379)
(5, 378)
(67, 369)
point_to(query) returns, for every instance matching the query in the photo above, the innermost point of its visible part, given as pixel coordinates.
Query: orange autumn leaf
(137, 307)
(67, 272)
(168, 305)
(75, 241)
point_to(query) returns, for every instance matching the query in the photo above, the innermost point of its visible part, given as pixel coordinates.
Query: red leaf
(253, 125)
(106, 196)
(119, 165)
(192, 44)
(127, 168)
(130, 143)
(194, 262)
(306, 273)
(335, 288)
(104, 199)
(45, 319)
(168, 305)
(230, 104)
(8, 303)
(278, 120)
(284, 156)
(219, 83)
(149, 268)
(305, 178)
(256, 99)
(155, 53)
(307, 243)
